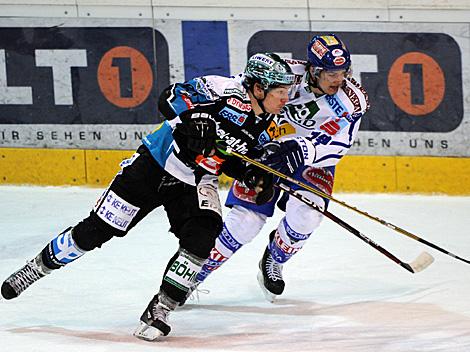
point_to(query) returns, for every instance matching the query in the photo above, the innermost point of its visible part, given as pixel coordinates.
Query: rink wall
(79, 81)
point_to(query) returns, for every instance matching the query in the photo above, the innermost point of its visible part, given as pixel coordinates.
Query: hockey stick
(417, 265)
(398, 229)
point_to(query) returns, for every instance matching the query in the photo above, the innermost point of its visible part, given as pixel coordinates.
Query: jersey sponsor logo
(233, 116)
(301, 114)
(331, 127)
(284, 129)
(235, 143)
(335, 124)
(353, 98)
(239, 104)
(335, 105)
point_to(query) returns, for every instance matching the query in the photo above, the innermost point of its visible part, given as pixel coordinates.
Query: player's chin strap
(313, 82)
(417, 265)
(398, 229)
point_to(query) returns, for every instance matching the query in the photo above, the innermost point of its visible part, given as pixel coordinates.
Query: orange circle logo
(416, 83)
(125, 77)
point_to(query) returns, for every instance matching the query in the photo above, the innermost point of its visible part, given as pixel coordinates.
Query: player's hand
(197, 132)
(260, 181)
(285, 157)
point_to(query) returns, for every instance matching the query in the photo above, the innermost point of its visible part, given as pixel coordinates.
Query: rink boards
(383, 174)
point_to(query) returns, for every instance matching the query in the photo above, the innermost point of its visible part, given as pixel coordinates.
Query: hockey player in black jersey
(177, 167)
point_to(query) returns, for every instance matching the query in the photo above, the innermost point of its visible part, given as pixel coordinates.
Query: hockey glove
(197, 133)
(260, 181)
(285, 157)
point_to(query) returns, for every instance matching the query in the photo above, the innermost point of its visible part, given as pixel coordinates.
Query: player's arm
(180, 97)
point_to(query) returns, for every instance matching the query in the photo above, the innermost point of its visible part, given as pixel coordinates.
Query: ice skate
(270, 277)
(154, 321)
(21, 279)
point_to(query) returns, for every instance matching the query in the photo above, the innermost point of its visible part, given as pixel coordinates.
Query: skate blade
(148, 333)
(270, 297)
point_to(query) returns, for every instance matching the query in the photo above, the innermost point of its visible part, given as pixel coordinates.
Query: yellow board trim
(370, 174)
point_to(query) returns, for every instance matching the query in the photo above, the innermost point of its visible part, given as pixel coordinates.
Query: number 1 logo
(416, 83)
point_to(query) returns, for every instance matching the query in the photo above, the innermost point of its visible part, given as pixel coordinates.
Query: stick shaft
(346, 226)
(350, 207)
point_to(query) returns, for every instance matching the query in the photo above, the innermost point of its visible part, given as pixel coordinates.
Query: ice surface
(341, 294)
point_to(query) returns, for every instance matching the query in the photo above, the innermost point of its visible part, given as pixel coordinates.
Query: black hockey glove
(285, 157)
(197, 133)
(261, 181)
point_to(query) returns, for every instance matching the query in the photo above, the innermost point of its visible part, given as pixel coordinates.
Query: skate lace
(195, 292)
(273, 269)
(24, 277)
(161, 312)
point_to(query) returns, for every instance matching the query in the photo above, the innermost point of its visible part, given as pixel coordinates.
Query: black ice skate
(154, 320)
(270, 277)
(21, 279)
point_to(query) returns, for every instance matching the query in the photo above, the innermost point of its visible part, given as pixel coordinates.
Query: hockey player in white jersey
(324, 113)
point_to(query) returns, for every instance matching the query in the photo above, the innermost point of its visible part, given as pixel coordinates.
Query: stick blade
(422, 262)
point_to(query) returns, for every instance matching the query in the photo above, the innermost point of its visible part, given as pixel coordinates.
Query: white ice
(341, 294)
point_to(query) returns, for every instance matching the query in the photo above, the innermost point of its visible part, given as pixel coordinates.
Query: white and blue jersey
(329, 122)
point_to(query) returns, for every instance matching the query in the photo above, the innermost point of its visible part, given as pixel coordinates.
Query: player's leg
(195, 218)
(294, 229)
(114, 214)
(243, 222)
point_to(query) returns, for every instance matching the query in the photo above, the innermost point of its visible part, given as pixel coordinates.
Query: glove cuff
(308, 149)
